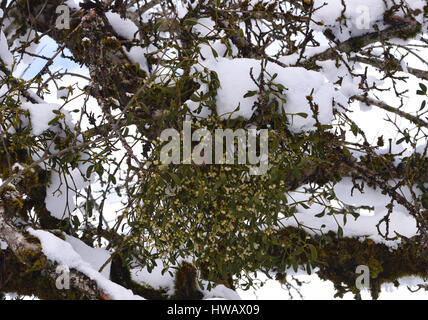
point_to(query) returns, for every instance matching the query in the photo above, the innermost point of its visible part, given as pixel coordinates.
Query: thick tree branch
(341, 256)
(28, 251)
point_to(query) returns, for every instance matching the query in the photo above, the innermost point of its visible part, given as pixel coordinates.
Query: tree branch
(369, 101)
(28, 251)
(356, 43)
(378, 64)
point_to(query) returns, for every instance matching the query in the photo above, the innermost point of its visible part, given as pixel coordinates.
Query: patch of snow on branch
(3, 245)
(61, 192)
(411, 281)
(235, 83)
(5, 54)
(63, 253)
(361, 16)
(154, 279)
(41, 114)
(363, 226)
(157, 281)
(124, 27)
(96, 257)
(220, 292)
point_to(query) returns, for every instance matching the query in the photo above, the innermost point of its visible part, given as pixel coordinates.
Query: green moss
(148, 292)
(135, 70)
(59, 234)
(342, 257)
(111, 43)
(311, 65)
(17, 277)
(425, 203)
(375, 268)
(338, 259)
(408, 33)
(355, 44)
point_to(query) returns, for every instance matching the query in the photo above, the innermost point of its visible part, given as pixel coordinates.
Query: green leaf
(112, 178)
(423, 88)
(354, 129)
(215, 54)
(319, 215)
(423, 104)
(250, 93)
(400, 140)
(89, 171)
(339, 232)
(157, 26)
(175, 178)
(191, 22)
(314, 254)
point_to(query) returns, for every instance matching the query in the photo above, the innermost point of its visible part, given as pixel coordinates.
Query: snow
(62, 252)
(3, 90)
(362, 16)
(154, 279)
(40, 115)
(17, 167)
(292, 59)
(124, 27)
(157, 280)
(136, 55)
(128, 30)
(62, 93)
(345, 192)
(3, 245)
(317, 289)
(235, 82)
(364, 226)
(181, 10)
(350, 84)
(96, 257)
(220, 292)
(410, 281)
(206, 27)
(73, 4)
(61, 191)
(5, 54)
(31, 49)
